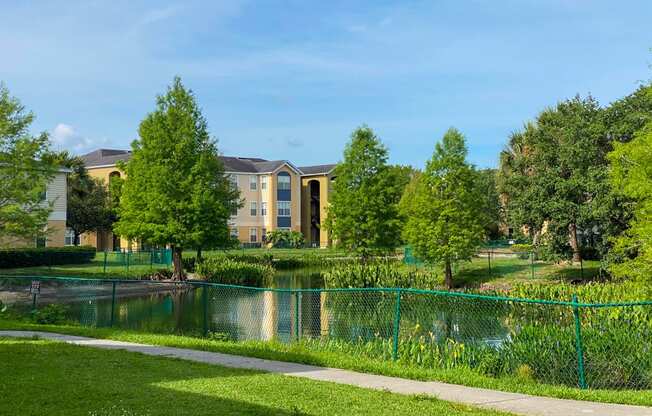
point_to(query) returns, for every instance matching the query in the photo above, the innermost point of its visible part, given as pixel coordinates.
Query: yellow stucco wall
(324, 189)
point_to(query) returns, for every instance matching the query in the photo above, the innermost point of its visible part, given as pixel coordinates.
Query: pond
(250, 314)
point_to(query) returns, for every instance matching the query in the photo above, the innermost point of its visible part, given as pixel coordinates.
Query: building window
(40, 242)
(283, 181)
(233, 180)
(69, 238)
(43, 195)
(253, 235)
(253, 209)
(263, 182)
(263, 208)
(283, 208)
(234, 210)
(263, 235)
(234, 232)
(253, 183)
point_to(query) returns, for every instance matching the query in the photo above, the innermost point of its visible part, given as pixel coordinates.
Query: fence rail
(607, 345)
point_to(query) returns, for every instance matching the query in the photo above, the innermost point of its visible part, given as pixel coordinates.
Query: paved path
(511, 402)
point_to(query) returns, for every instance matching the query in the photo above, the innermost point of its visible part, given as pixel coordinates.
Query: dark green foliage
(46, 256)
(227, 271)
(89, 204)
(51, 314)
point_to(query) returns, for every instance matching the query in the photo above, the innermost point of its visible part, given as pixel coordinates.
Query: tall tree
(443, 210)
(175, 191)
(560, 174)
(363, 211)
(89, 206)
(26, 168)
(492, 210)
(631, 172)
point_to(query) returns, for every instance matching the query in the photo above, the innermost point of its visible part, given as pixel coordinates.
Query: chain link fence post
(397, 323)
(112, 304)
(489, 261)
(532, 264)
(205, 304)
(578, 344)
(297, 332)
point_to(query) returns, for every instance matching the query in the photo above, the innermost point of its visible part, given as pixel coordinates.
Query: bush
(285, 239)
(380, 274)
(45, 256)
(228, 271)
(522, 250)
(50, 314)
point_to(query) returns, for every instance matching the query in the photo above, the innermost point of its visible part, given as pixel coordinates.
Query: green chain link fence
(112, 260)
(575, 344)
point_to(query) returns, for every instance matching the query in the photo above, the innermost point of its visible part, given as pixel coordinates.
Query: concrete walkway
(517, 403)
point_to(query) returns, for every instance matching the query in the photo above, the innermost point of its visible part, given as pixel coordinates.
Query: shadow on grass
(53, 378)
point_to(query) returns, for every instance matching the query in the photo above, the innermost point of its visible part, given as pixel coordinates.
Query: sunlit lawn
(503, 272)
(47, 378)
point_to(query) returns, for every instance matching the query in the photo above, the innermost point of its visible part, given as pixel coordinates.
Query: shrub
(228, 271)
(380, 274)
(50, 314)
(522, 250)
(285, 238)
(160, 274)
(45, 256)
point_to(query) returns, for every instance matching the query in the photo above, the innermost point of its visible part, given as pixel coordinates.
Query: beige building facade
(272, 192)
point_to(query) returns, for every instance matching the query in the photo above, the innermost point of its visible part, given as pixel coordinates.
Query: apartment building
(275, 194)
(55, 195)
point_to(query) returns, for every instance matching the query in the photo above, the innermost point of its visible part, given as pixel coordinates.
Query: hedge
(45, 256)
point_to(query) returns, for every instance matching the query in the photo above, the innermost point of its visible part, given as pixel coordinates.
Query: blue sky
(292, 79)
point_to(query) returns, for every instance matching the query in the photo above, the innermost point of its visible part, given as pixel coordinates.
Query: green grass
(43, 377)
(300, 353)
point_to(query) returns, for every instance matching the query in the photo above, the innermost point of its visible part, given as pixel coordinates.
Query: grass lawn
(504, 272)
(49, 378)
(301, 354)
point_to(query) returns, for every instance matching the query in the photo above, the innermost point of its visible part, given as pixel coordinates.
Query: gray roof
(103, 157)
(317, 169)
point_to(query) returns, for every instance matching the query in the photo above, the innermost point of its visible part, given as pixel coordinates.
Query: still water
(249, 314)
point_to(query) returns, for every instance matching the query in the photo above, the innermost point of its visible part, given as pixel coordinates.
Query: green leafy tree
(175, 191)
(444, 212)
(363, 211)
(631, 172)
(26, 168)
(89, 206)
(492, 210)
(560, 174)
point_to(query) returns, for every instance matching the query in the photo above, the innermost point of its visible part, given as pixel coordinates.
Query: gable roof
(109, 157)
(105, 157)
(317, 169)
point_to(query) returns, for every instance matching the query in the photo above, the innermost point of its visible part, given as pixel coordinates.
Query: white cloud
(65, 137)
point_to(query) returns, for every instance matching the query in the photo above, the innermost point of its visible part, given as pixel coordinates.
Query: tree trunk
(177, 273)
(199, 258)
(448, 279)
(572, 235)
